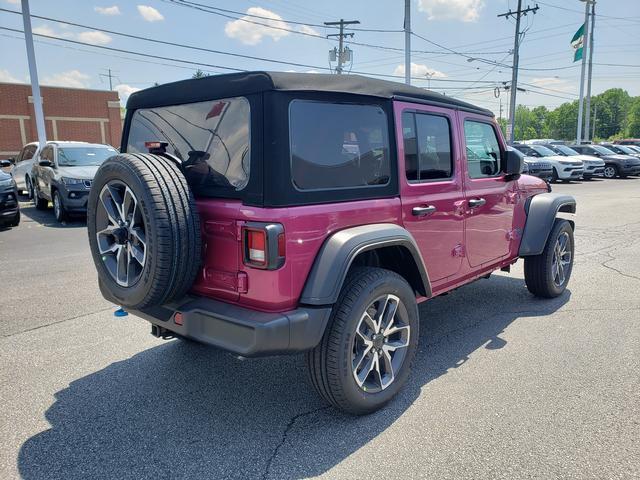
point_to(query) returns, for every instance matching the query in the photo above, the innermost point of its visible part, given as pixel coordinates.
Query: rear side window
(483, 149)
(212, 139)
(427, 147)
(338, 145)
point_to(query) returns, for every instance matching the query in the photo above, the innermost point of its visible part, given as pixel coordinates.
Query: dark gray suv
(615, 165)
(63, 173)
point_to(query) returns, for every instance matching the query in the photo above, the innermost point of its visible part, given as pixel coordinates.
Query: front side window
(338, 145)
(47, 154)
(427, 147)
(211, 138)
(483, 149)
(28, 153)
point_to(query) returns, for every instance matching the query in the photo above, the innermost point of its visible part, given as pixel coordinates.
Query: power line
(102, 47)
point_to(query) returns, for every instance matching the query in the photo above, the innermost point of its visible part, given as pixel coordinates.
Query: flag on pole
(577, 42)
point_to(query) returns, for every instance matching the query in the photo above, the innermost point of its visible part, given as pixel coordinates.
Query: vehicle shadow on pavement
(188, 411)
(46, 217)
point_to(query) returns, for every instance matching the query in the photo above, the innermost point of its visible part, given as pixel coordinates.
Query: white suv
(22, 165)
(564, 168)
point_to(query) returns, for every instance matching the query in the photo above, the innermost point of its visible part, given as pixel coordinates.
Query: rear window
(338, 145)
(212, 138)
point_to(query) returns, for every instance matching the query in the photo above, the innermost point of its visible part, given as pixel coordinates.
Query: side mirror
(45, 163)
(514, 163)
(5, 163)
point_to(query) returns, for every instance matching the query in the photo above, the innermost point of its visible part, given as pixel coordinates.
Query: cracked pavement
(504, 385)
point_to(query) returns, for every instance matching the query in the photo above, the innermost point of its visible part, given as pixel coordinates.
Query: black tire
(330, 364)
(58, 207)
(171, 228)
(539, 274)
(554, 175)
(28, 187)
(40, 203)
(16, 220)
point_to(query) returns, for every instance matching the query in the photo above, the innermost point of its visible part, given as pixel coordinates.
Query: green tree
(633, 119)
(612, 107)
(199, 74)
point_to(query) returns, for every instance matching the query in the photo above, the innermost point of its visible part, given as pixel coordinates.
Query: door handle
(476, 202)
(422, 211)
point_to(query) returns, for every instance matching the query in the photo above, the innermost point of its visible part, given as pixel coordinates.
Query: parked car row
(575, 162)
(60, 173)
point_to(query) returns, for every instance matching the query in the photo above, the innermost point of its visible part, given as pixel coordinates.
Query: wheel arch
(542, 211)
(387, 246)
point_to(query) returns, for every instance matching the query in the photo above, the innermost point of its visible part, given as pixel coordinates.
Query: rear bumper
(237, 329)
(8, 205)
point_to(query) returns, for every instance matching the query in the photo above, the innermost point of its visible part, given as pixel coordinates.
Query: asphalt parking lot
(504, 385)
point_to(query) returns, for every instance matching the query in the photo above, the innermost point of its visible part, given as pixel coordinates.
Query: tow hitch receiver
(160, 332)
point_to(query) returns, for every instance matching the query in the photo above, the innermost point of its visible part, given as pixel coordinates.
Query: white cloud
(115, 10)
(71, 78)
(308, 30)
(13, 2)
(464, 10)
(47, 30)
(94, 37)
(150, 14)
(124, 91)
(5, 76)
(89, 36)
(251, 33)
(419, 70)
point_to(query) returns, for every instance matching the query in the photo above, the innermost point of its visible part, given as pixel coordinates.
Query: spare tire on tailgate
(144, 230)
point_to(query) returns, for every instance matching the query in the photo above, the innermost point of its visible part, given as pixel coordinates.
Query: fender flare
(338, 252)
(542, 210)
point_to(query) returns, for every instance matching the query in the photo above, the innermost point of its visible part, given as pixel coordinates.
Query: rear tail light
(263, 245)
(257, 247)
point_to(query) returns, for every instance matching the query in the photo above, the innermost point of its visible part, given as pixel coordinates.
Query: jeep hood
(84, 173)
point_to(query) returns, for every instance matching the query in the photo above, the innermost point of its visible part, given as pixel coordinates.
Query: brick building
(69, 114)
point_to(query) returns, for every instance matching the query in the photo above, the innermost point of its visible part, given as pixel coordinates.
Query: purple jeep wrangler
(266, 213)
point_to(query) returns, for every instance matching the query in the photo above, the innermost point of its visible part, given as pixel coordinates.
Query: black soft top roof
(245, 83)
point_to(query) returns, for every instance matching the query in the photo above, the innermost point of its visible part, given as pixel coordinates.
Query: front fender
(340, 250)
(542, 210)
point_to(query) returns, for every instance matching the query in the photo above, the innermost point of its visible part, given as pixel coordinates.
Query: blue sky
(470, 28)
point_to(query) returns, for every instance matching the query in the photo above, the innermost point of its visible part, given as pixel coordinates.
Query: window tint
(427, 141)
(27, 152)
(212, 138)
(338, 145)
(483, 149)
(47, 154)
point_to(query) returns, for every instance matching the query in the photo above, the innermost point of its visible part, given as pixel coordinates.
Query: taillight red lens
(257, 247)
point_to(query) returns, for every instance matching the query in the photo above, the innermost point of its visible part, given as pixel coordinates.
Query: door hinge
(458, 251)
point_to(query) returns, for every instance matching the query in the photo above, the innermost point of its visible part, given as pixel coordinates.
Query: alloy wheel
(121, 233)
(56, 206)
(561, 262)
(380, 344)
(609, 172)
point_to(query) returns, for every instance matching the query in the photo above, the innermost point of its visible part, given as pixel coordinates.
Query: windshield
(602, 150)
(543, 151)
(84, 156)
(625, 149)
(564, 150)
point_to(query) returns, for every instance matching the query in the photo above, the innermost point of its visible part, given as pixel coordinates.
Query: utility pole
(109, 76)
(595, 117)
(588, 106)
(585, 45)
(33, 74)
(516, 59)
(407, 42)
(342, 54)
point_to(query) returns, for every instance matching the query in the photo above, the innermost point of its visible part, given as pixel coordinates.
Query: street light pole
(585, 52)
(407, 42)
(33, 74)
